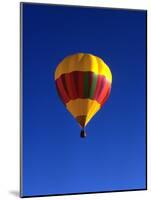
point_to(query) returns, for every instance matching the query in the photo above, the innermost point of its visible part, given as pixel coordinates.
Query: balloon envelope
(83, 82)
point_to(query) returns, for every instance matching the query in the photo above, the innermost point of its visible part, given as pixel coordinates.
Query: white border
(9, 97)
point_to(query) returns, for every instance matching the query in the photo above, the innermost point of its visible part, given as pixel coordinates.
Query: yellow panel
(80, 107)
(93, 110)
(104, 69)
(83, 62)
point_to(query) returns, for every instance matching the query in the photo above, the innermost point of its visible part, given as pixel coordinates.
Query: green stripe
(86, 84)
(93, 86)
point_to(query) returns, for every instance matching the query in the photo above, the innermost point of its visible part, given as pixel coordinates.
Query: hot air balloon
(83, 82)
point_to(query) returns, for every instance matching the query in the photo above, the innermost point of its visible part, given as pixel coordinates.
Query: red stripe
(75, 79)
(61, 90)
(103, 92)
(80, 83)
(64, 84)
(59, 93)
(73, 86)
(70, 86)
(99, 86)
(106, 97)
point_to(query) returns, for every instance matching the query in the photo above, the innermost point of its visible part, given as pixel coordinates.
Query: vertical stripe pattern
(82, 85)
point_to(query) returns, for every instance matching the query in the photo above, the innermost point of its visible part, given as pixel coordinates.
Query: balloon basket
(82, 133)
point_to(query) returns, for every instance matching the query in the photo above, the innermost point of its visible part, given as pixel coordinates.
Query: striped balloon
(83, 83)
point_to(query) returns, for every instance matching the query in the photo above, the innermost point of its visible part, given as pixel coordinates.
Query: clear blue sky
(112, 157)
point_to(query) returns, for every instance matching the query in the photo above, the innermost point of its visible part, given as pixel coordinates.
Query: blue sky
(112, 157)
